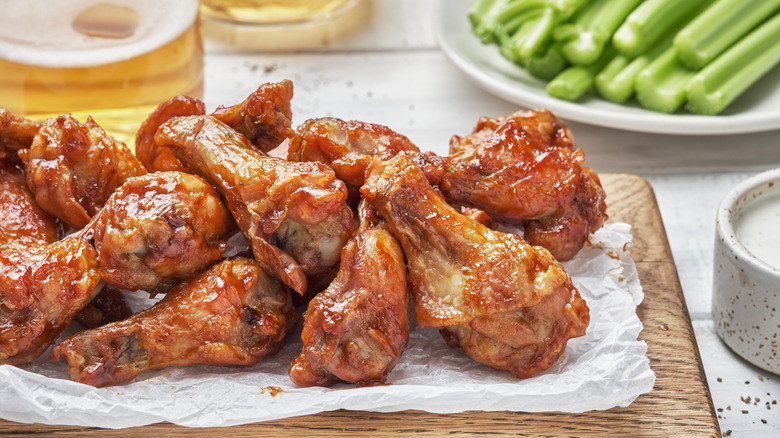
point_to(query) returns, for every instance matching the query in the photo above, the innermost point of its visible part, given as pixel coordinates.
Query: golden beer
(115, 62)
(268, 11)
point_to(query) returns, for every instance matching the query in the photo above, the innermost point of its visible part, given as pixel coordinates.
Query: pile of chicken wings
(350, 225)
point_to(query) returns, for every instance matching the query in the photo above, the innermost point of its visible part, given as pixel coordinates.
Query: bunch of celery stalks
(696, 54)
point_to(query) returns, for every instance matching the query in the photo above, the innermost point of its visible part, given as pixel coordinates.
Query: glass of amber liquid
(113, 60)
(279, 25)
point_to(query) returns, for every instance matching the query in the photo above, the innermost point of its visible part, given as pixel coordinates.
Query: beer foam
(39, 32)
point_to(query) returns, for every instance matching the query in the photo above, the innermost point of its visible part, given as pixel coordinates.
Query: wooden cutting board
(679, 405)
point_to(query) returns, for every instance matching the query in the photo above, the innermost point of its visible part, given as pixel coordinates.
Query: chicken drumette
(231, 314)
(72, 168)
(41, 290)
(522, 170)
(294, 214)
(508, 304)
(158, 228)
(357, 329)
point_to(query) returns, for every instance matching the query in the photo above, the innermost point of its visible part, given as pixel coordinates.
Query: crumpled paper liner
(605, 368)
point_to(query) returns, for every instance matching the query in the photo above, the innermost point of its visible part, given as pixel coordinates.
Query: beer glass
(281, 25)
(113, 61)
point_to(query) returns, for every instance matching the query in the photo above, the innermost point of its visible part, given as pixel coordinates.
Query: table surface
(389, 70)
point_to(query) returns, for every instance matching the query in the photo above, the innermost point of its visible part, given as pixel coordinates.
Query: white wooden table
(390, 71)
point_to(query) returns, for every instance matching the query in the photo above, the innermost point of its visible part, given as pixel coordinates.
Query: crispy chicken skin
(294, 214)
(41, 289)
(357, 329)
(72, 168)
(231, 314)
(472, 280)
(515, 177)
(522, 169)
(158, 158)
(15, 133)
(264, 117)
(158, 228)
(22, 223)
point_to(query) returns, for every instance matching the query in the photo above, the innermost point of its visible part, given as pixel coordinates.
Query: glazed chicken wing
(41, 289)
(263, 117)
(294, 214)
(515, 177)
(232, 314)
(22, 223)
(158, 158)
(158, 228)
(357, 329)
(479, 284)
(72, 168)
(539, 123)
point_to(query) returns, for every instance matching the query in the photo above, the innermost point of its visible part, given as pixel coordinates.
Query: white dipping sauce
(758, 228)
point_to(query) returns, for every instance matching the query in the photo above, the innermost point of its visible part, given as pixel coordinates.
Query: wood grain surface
(679, 405)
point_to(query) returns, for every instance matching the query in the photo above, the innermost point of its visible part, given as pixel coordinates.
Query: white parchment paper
(605, 368)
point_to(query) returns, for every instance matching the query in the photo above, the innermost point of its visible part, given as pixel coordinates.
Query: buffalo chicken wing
(294, 214)
(22, 223)
(232, 314)
(357, 329)
(485, 288)
(72, 168)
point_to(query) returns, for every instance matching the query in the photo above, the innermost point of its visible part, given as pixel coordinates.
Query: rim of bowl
(727, 212)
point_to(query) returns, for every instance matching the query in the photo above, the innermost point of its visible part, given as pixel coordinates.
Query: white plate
(757, 110)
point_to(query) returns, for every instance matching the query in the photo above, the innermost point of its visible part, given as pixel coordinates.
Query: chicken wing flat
(346, 146)
(231, 314)
(41, 289)
(159, 228)
(263, 117)
(16, 133)
(158, 158)
(465, 275)
(294, 214)
(357, 329)
(515, 177)
(72, 168)
(539, 123)
(22, 223)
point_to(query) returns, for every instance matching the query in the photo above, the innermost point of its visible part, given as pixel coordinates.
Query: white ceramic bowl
(746, 289)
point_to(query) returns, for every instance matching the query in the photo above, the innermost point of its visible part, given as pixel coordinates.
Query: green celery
(548, 64)
(557, 12)
(661, 85)
(719, 27)
(650, 21)
(713, 88)
(483, 16)
(591, 28)
(573, 82)
(509, 44)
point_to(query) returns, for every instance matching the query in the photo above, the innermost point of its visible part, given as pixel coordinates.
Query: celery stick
(591, 29)
(548, 64)
(553, 15)
(712, 89)
(576, 80)
(650, 21)
(483, 15)
(661, 86)
(720, 26)
(508, 45)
